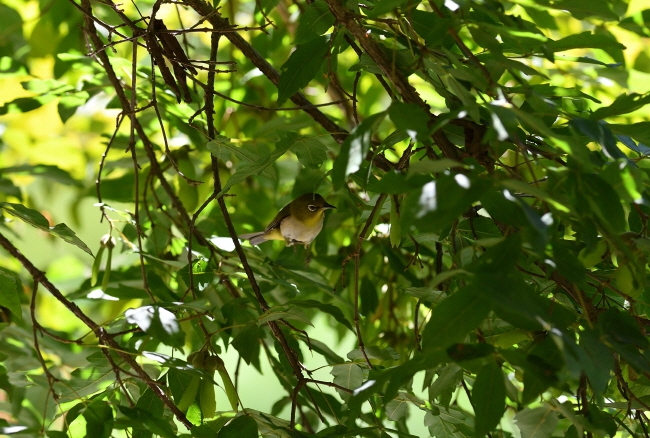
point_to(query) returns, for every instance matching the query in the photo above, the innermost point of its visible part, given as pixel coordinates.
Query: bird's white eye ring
(312, 207)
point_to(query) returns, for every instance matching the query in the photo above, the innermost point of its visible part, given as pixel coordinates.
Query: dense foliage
(484, 273)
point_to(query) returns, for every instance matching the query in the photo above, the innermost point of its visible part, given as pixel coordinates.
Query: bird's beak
(327, 207)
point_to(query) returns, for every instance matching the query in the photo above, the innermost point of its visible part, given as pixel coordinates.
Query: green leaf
(50, 172)
(221, 147)
(69, 103)
(440, 428)
(581, 9)
(448, 379)
(639, 131)
(179, 378)
(430, 26)
(24, 104)
(229, 387)
(10, 67)
(354, 149)
(512, 210)
(585, 40)
(395, 225)
(624, 104)
(63, 232)
(10, 295)
(314, 21)
(637, 23)
(384, 6)
(348, 375)
(152, 407)
(373, 353)
(99, 419)
(241, 427)
(37, 220)
(266, 5)
(151, 422)
(621, 327)
(323, 349)
(598, 360)
(455, 317)
(425, 293)
(488, 398)
(159, 323)
(366, 63)
(466, 352)
(439, 203)
(32, 217)
(117, 189)
(247, 341)
(283, 312)
(310, 152)
(519, 186)
(397, 408)
(89, 379)
(301, 67)
(599, 131)
(207, 398)
(396, 182)
(323, 307)
(604, 201)
(369, 297)
(189, 394)
(517, 303)
(536, 423)
(411, 119)
(8, 188)
(602, 420)
(259, 166)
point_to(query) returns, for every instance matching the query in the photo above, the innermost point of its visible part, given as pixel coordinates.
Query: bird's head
(309, 207)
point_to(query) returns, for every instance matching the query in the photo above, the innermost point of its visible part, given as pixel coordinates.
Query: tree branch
(102, 335)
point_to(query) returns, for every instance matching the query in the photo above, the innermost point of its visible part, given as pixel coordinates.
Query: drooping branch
(105, 338)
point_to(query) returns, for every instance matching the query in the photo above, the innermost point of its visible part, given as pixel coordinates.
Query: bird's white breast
(296, 232)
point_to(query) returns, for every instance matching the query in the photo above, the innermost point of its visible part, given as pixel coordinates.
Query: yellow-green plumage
(298, 222)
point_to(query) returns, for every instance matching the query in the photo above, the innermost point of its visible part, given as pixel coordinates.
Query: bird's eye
(312, 207)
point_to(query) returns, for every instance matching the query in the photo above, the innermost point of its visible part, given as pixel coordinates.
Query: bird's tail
(253, 238)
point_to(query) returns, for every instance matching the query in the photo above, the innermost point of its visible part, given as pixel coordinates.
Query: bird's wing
(277, 220)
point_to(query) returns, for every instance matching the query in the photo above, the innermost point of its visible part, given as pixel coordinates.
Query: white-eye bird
(299, 222)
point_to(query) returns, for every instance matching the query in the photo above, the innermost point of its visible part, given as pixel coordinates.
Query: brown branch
(388, 68)
(291, 355)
